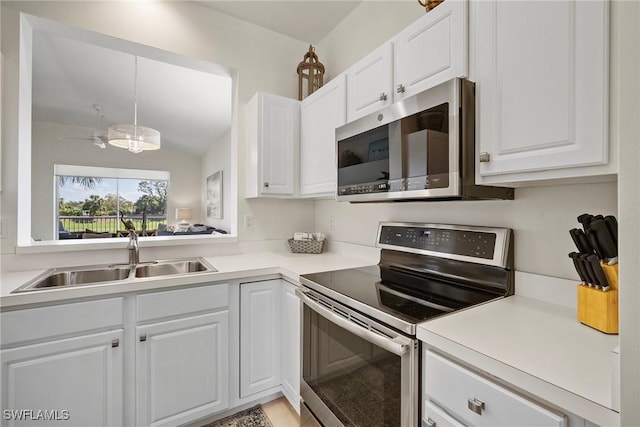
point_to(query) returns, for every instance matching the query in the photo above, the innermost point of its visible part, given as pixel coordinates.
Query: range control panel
(465, 242)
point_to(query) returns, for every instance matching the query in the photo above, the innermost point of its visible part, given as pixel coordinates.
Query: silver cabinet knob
(400, 88)
(266, 185)
(143, 337)
(476, 405)
(485, 157)
(383, 96)
(115, 343)
(428, 423)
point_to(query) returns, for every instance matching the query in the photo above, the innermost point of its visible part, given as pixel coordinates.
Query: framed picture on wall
(214, 196)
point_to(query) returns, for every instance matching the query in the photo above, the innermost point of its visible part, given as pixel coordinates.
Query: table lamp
(182, 215)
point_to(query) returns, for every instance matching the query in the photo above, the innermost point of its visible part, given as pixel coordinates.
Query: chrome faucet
(134, 248)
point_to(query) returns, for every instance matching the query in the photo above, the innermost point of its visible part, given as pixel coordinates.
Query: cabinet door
(290, 344)
(259, 336)
(182, 369)
(77, 381)
(279, 137)
(432, 50)
(370, 83)
(321, 113)
(542, 90)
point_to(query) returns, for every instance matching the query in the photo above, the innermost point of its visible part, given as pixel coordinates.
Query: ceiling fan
(97, 138)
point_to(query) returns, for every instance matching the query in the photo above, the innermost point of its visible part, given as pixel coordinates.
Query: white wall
(218, 158)
(367, 26)
(185, 186)
(262, 59)
(540, 216)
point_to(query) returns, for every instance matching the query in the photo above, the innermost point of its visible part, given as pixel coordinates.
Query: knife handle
(581, 241)
(605, 240)
(593, 239)
(612, 226)
(585, 220)
(575, 257)
(597, 269)
(588, 269)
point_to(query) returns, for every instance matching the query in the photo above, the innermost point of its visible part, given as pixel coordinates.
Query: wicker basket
(306, 246)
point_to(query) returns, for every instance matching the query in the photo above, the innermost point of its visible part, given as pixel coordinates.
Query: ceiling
(190, 108)
(305, 20)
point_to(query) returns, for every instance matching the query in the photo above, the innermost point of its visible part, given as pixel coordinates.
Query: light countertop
(537, 347)
(241, 266)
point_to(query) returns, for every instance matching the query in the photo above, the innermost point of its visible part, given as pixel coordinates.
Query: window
(93, 201)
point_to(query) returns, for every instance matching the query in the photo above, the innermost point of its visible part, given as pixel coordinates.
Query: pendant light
(131, 136)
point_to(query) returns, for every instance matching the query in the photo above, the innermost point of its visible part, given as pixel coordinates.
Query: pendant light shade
(131, 136)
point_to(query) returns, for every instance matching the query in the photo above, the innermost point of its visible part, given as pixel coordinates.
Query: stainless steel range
(360, 355)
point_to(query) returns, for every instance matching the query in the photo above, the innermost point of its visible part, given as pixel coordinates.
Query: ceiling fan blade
(75, 139)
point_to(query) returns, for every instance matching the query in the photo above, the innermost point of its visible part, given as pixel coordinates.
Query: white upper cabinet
(541, 71)
(273, 140)
(370, 83)
(321, 113)
(432, 50)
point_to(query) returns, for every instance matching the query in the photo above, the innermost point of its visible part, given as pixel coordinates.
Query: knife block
(599, 309)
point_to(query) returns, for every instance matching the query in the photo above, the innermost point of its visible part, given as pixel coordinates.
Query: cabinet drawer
(181, 302)
(461, 391)
(434, 416)
(36, 324)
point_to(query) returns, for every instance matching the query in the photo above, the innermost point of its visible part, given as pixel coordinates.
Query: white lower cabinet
(182, 364)
(63, 364)
(270, 339)
(290, 327)
(259, 336)
(71, 382)
(468, 399)
(182, 369)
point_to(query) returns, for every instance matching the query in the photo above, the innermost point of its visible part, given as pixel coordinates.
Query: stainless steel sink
(89, 275)
(80, 277)
(171, 268)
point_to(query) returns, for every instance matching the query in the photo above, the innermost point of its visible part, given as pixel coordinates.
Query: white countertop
(241, 266)
(537, 347)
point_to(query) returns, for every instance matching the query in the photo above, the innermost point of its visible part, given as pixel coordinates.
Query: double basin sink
(95, 274)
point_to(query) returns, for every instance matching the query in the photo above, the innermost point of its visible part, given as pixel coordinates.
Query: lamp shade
(183, 214)
(133, 138)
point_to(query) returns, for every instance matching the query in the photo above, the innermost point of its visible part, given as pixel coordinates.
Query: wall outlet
(332, 224)
(248, 222)
(3, 228)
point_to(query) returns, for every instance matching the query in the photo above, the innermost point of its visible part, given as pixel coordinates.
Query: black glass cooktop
(411, 299)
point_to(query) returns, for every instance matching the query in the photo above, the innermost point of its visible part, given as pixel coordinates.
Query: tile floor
(281, 414)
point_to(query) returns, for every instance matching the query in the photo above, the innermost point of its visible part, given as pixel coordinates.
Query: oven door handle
(389, 344)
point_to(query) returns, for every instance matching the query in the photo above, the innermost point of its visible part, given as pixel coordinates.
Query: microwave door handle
(374, 338)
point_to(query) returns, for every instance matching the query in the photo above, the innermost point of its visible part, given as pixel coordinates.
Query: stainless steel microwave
(421, 148)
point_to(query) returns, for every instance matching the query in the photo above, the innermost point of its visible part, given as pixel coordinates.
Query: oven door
(356, 372)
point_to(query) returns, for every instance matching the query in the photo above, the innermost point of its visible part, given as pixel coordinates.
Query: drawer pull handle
(485, 157)
(428, 423)
(143, 337)
(115, 343)
(476, 405)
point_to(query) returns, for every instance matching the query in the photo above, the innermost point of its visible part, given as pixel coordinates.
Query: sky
(128, 189)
